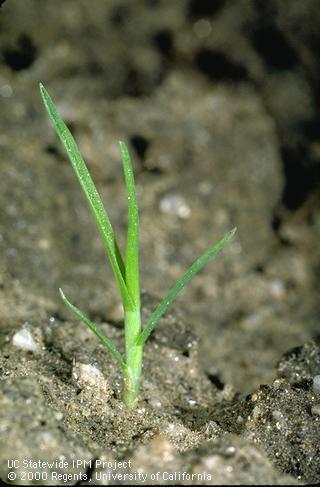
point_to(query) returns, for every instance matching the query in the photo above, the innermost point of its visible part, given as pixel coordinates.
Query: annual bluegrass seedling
(126, 271)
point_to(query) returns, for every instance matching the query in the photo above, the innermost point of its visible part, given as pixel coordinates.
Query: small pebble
(59, 416)
(87, 375)
(231, 450)
(175, 204)
(23, 339)
(155, 403)
(191, 402)
(202, 28)
(91, 380)
(315, 410)
(316, 384)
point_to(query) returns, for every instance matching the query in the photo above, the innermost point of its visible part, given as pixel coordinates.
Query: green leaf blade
(103, 339)
(132, 247)
(92, 195)
(181, 283)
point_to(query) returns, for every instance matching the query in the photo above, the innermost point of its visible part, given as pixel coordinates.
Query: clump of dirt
(63, 400)
(285, 419)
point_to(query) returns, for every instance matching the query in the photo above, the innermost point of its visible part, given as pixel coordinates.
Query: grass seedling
(126, 271)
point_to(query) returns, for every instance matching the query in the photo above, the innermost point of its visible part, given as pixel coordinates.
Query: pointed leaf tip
(42, 88)
(123, 147)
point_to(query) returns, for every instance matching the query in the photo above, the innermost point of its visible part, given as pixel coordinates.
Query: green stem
(132, 374)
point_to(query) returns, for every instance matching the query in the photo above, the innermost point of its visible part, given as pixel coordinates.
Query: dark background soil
(218, 102)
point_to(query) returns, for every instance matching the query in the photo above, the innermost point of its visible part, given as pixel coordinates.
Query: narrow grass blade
(132, 247)
(194, 269)
(103, 339)
(92, 195)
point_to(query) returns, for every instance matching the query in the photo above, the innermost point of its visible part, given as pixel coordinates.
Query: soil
(218, 103)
